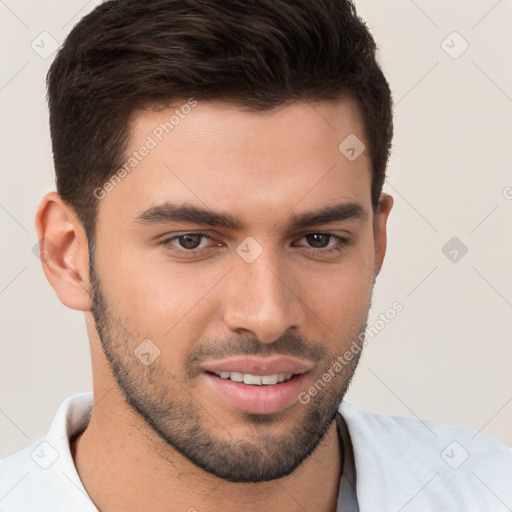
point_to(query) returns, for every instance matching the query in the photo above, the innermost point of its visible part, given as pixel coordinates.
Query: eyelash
(342, 243)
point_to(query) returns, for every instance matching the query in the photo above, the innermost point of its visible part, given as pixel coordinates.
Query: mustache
(286, 345)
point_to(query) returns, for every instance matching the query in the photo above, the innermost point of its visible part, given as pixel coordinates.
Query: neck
(125, 466)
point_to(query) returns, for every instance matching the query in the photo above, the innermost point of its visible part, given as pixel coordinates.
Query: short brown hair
(259, 54)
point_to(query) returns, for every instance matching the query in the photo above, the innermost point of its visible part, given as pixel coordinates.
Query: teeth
(236, 376)
(270, 379)
(252, 379)
(256, 380)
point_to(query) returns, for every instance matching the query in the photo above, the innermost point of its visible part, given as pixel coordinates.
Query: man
(219, 218)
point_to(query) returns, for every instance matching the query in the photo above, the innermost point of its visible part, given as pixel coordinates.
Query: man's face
(272, 297)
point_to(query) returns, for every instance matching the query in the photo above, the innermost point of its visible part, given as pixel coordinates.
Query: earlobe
(380, 229)
(63, 251)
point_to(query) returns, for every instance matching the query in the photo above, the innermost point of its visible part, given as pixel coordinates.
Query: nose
(260, 299)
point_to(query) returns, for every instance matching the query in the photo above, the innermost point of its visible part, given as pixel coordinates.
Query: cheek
(165, 299)
(340, 295)
(343, 302)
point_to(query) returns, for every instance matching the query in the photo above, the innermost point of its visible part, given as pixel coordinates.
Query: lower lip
(257, 399)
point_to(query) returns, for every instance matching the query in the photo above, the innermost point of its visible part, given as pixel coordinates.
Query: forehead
(224, 158)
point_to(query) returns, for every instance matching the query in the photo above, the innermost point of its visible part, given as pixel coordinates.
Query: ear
(63, 251)
(380, 229)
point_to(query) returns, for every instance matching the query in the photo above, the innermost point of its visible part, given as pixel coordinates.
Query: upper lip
(258, 365)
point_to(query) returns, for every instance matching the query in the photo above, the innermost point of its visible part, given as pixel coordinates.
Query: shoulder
(450, 467)
(418, 432)
(42, 476)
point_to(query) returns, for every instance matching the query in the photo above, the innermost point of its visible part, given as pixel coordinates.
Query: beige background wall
(448, 355)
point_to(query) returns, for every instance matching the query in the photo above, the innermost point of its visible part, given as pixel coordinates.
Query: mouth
(257, 385)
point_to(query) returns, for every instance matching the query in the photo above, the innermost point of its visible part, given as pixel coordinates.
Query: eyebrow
(178, 212)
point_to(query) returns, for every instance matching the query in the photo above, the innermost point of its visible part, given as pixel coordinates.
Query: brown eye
(318, 240)
(189, 241)
(324, 243)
